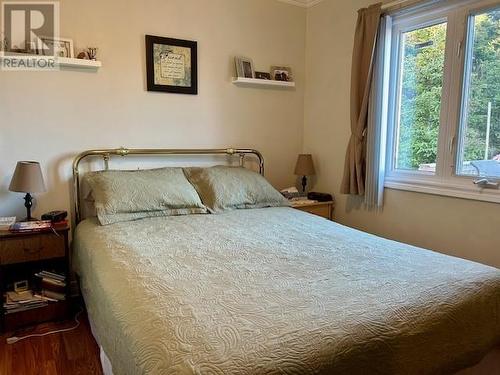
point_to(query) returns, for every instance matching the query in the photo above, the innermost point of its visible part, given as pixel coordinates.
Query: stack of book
(53, 285)
(22, 301)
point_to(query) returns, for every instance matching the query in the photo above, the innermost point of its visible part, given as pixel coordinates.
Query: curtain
(365, 37)
(376, 132)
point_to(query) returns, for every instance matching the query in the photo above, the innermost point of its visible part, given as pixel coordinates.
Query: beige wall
(51, 116)
(465, 228)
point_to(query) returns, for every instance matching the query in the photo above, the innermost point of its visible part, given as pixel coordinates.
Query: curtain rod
(393, 3)
(397, 4)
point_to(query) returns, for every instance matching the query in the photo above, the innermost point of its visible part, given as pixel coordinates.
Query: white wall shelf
(240, 81)
(21, 60)
(78, 63)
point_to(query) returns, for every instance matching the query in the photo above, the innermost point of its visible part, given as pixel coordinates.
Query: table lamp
(304, 167)
(27, 179)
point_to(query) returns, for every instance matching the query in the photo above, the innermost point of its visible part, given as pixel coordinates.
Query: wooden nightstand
(323, 209)
(21, 256)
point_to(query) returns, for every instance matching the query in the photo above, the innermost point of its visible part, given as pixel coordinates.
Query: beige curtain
(365, 37)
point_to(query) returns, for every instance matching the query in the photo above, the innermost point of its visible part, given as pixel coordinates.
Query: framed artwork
(60, 47)
(171, 65)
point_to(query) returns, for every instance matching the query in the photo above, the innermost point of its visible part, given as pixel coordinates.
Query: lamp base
(28, 203)
(304, 184)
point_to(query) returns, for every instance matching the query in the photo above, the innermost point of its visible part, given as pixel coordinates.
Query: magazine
(6, 222)
(31, 226)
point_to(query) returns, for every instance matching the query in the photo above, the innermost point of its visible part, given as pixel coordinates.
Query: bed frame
(107, 153)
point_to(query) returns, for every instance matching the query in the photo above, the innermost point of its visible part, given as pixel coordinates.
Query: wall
(464, 228)
(51, 116)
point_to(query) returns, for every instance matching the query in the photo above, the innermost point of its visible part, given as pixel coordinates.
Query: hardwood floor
(74, 352)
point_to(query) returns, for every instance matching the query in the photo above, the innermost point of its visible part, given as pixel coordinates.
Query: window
(421, 82)
(480, 126)
(444, 99)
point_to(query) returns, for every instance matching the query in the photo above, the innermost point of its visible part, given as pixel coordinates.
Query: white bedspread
(277, 290)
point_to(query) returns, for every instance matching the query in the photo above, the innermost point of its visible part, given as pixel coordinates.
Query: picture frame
(281, 73)
(263, 75)
(61, 47)
(171, 65)
(244, 67)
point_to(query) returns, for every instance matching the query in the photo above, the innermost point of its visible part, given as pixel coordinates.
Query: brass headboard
(107, 153)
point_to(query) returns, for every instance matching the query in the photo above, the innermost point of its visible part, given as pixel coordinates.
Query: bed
(277, 290)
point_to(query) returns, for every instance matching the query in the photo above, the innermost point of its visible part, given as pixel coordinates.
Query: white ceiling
(302, 3)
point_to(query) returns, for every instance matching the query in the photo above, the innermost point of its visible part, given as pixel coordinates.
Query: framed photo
(244, 67)
(263, 75)
(281, 73)
(60, 47)
(171, 65)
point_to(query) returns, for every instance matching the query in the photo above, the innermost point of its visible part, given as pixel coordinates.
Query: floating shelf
(78, 63)
(240, 81)
(62, 62)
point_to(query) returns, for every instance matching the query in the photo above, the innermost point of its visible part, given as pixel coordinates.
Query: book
(60, 224)
(53, 282)
(31, 226)
(53, 285)
(53, 295)
(20, 296)
(45, 298)
(51, 275)
(6, 222)
(22, 301)
(301, 202)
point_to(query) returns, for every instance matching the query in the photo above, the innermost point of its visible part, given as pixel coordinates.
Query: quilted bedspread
(279, 291)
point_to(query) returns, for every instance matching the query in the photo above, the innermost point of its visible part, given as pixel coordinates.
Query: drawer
(320, 210)
(52, 246)
(19, 250)
(31, 248)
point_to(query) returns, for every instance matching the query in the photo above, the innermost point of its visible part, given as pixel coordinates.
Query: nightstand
(21, 256)
(323, 209)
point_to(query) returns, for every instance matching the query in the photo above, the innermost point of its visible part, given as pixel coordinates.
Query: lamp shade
(27, 178)
(305, 165)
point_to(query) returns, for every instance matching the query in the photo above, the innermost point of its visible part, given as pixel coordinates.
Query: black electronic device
(320, 197)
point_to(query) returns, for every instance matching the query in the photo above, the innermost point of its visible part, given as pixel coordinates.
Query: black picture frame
(151, 40)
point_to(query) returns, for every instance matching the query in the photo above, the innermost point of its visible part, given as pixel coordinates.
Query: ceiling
(301, 3)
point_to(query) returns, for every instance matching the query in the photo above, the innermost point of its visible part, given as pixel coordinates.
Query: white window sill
(445, 189)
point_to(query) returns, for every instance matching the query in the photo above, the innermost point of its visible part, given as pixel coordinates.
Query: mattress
(277, 290)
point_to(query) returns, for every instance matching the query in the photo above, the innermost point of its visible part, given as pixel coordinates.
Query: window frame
(445, 181)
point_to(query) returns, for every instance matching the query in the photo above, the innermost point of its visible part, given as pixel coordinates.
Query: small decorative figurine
(92, 52)
(83, 55)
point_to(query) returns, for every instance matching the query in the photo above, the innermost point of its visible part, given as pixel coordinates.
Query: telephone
(320, 197)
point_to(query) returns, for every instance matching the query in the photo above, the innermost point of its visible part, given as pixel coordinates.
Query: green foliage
(484, 88)
(422, 80)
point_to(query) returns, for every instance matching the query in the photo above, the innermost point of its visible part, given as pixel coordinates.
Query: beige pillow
(131, 195)
(228, 188)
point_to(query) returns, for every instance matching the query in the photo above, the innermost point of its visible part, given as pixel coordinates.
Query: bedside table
(323, 209)
(21, 256)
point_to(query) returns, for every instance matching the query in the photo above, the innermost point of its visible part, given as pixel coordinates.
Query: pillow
(228, 188)
(87, 203)
(131, 195)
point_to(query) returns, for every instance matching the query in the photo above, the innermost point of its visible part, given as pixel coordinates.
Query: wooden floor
(74, 352)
